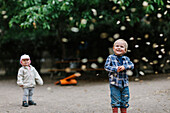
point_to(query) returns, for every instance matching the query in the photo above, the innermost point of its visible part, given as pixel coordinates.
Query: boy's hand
(120, 68)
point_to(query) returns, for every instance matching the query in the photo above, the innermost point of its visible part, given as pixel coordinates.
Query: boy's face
(25, 62)
(119, 48)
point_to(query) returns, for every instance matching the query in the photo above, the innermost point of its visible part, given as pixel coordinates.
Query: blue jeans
(119, 96)
(28, 92)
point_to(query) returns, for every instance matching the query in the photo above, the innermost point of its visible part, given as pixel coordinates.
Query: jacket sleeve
(109, 66)
(20, 77)
(38, 78)
(130, 65)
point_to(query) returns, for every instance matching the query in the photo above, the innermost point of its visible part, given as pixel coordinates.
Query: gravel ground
(147, 96)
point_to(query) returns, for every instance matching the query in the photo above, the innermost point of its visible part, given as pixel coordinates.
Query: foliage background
(77, 29)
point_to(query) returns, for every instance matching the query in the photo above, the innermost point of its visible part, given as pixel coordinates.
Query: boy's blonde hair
(126, 44)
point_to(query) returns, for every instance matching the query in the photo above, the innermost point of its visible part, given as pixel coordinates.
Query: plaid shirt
(119, 79)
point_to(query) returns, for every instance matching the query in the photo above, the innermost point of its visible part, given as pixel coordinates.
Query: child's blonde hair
(126, 44)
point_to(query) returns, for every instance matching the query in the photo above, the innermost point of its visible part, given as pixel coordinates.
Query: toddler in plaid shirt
(117, 66)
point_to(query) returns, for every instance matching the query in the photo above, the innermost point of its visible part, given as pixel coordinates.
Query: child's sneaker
(24, 103)
(30, 102)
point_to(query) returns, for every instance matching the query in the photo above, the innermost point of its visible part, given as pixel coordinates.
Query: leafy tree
(138, 22)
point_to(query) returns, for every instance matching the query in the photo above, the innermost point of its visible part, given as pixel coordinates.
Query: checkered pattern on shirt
(119, 79)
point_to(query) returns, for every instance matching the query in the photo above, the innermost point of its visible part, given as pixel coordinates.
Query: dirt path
(148, 96)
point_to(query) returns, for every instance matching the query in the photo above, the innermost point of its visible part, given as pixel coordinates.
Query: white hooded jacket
(28, 76)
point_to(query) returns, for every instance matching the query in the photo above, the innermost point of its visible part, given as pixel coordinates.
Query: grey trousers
(28, 92)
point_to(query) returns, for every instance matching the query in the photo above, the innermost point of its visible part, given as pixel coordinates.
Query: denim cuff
(125, 106)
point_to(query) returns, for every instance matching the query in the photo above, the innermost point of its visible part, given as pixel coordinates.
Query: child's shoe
(24, 103)
(123, 110)
(30, 102)
(115, 110)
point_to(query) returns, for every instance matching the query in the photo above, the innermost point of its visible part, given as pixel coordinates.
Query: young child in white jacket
(27, 78)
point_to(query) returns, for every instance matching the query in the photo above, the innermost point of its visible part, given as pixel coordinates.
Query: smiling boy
(117, 64)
